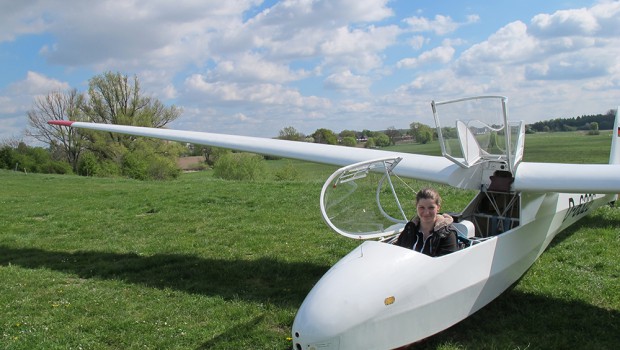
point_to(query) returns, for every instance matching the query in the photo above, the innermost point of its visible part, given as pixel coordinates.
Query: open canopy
(361, 201)
(476, 130)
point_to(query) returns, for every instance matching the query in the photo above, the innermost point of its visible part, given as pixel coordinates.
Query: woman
(429, 232)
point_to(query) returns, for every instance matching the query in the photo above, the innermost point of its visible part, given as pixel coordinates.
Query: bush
(370, 143)
(7, 158)
(56, 167)
(349, 141)
(88, 165)
(162, 168)
(288, 172)
(239, 166)
(135, 166)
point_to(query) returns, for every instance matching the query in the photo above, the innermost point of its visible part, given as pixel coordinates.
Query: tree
(325, 136)
(421, 133)
(382, 140)
(113, 98)
(348, 133)
(393, 134)
(290, 133)
(349, 141)
(370, 143)
(58, 105)
(593, 129)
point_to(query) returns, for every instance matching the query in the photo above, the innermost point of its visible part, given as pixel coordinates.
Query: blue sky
(253, 67)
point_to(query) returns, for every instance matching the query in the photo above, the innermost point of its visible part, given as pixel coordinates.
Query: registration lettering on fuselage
(585, 202)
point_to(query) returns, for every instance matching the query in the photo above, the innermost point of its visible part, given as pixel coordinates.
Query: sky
(253, 67)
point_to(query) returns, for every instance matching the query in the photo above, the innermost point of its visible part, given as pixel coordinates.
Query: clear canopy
(362, 200)
(476, 129)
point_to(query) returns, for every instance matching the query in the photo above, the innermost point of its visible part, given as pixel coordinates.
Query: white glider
(381, 296)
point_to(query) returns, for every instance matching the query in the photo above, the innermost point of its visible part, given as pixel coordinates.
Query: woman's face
(427, 210)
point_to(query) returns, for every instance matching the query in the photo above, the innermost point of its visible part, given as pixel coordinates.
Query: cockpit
(367, 201)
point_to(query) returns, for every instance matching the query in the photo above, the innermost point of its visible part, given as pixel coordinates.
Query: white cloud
(440, 54)
(17, 99)
(264, 94)
(509, 45)
(250, 67)
(440, 25)
(37, 84)
(564, 23)
(347, 81)
(21, 17)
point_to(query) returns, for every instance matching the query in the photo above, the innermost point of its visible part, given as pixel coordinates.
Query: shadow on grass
(518, 320)
(264, 280)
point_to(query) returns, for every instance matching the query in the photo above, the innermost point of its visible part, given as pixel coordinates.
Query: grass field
(203, 263)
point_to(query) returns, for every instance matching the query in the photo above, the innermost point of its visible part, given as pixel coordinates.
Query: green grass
(203, 263)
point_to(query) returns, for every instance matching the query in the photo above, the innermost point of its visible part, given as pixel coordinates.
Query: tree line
(585, 122)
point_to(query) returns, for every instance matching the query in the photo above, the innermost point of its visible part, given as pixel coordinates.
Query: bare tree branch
(57, 105)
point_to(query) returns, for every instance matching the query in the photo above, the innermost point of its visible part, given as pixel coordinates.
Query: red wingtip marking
(61, 122)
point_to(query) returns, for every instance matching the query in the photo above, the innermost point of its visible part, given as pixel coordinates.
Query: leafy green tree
(325, 136)
(349, 141)
(290, 133)
(593, 129)
(421, 133)
(370, 143)
(382, 140)
(348, 133)
(114, 98)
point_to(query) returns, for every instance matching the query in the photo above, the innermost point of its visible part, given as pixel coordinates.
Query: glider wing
(422, 167)
(567, 178)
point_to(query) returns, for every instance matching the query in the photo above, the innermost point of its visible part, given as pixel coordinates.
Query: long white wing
(574, 178)
(568, 178)
(529, 177)
(428, 168)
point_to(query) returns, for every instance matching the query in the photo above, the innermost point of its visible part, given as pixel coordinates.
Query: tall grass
(204, 263)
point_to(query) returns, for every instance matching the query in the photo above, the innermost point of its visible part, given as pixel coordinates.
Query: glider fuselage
(382, 296)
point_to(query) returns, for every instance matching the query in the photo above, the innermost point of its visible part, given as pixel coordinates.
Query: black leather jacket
(441, 241)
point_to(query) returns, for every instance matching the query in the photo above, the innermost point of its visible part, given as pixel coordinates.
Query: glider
(382, 296)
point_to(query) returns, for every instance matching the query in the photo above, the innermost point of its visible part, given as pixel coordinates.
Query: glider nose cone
(348, 307)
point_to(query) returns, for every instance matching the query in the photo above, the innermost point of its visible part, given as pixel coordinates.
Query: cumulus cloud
(509, 45)
(565, 45)
(442, 54)
(440, 25)
(564, 23)
(265, 94)
(347, 81)
(251, 67)
(21, 17)
(37, 84)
